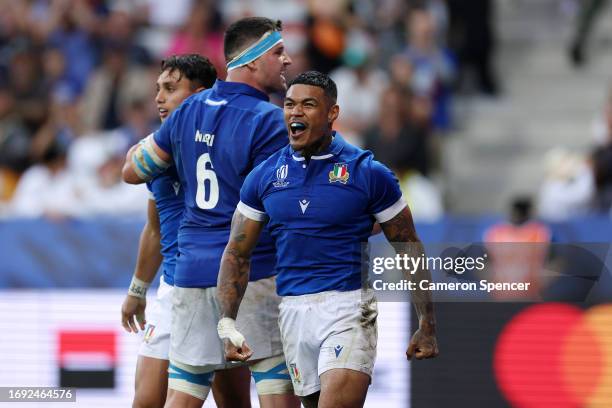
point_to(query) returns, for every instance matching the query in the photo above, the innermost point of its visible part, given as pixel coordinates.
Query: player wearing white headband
(215, 138)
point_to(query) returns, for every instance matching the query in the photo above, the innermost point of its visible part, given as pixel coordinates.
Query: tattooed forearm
(400, 232)
(233, 280)
(236, 264)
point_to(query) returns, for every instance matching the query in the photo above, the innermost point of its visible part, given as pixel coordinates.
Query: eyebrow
(167, 82)
(303, 100)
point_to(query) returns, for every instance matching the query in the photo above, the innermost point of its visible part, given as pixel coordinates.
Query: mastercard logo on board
(556, 355)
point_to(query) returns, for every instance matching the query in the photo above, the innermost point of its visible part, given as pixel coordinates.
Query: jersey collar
(334, 148)
(224, 87)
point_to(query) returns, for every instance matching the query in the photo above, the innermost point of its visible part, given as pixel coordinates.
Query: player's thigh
(343, 388)
(232, 387)
(151, 382)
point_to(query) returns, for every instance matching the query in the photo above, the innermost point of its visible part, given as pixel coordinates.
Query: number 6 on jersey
(202, 174)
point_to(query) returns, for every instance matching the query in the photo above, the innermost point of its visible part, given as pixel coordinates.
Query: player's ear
(333, 113)
(252, 66)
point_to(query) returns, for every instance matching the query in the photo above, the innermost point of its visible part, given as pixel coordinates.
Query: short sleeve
(163, 135)
(270, 135)
(385, 194)
(251, 205)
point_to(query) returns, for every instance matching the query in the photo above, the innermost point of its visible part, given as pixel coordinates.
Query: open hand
(133, 311)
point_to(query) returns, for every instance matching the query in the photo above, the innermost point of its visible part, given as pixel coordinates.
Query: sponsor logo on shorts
(295, 373)
(149, 333)
(338, 350)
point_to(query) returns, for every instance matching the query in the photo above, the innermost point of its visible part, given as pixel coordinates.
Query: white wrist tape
(227, 330)
(138, 288)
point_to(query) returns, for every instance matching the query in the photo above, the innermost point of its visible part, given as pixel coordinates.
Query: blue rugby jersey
(216, 137)
(320, 212)
(170, 202)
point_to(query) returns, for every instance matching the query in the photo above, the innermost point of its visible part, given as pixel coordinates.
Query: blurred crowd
(578, 184)
(77, 85)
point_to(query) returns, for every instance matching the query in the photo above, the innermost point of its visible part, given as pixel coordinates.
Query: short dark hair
(195, 67)
(316, 78)
(245, 31)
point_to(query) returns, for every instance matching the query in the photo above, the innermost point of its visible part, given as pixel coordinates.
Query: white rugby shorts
(328, 330)
(156, 342)
(196, 313)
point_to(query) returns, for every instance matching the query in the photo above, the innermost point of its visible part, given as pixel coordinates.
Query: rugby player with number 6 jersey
(215, 138)
(320, 197)
(181, 76)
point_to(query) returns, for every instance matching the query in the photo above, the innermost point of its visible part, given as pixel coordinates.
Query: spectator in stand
(201, 35)
(587, 14)
(568, 189)
(112, 86)
(433, 69)
(601, 159)
(47, 189)
(518, 249)
(471, 36)
(401, 140)
(107, 193)
(120, 28)
(71, 28)
(326, 28)
(27, 85)
(360, 86)
(397, 140)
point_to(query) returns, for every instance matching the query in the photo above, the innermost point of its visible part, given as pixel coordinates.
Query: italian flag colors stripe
(339, 170)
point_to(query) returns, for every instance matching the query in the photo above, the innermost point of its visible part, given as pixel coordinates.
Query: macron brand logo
(177, 187)
(304, 205)
(204, 138)
(338, 350)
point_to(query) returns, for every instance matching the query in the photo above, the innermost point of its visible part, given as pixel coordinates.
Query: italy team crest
(149, 333)
(295, 373)
(339, 173)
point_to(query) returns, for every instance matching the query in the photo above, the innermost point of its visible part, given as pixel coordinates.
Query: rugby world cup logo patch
(281, 175)
(339, 173)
